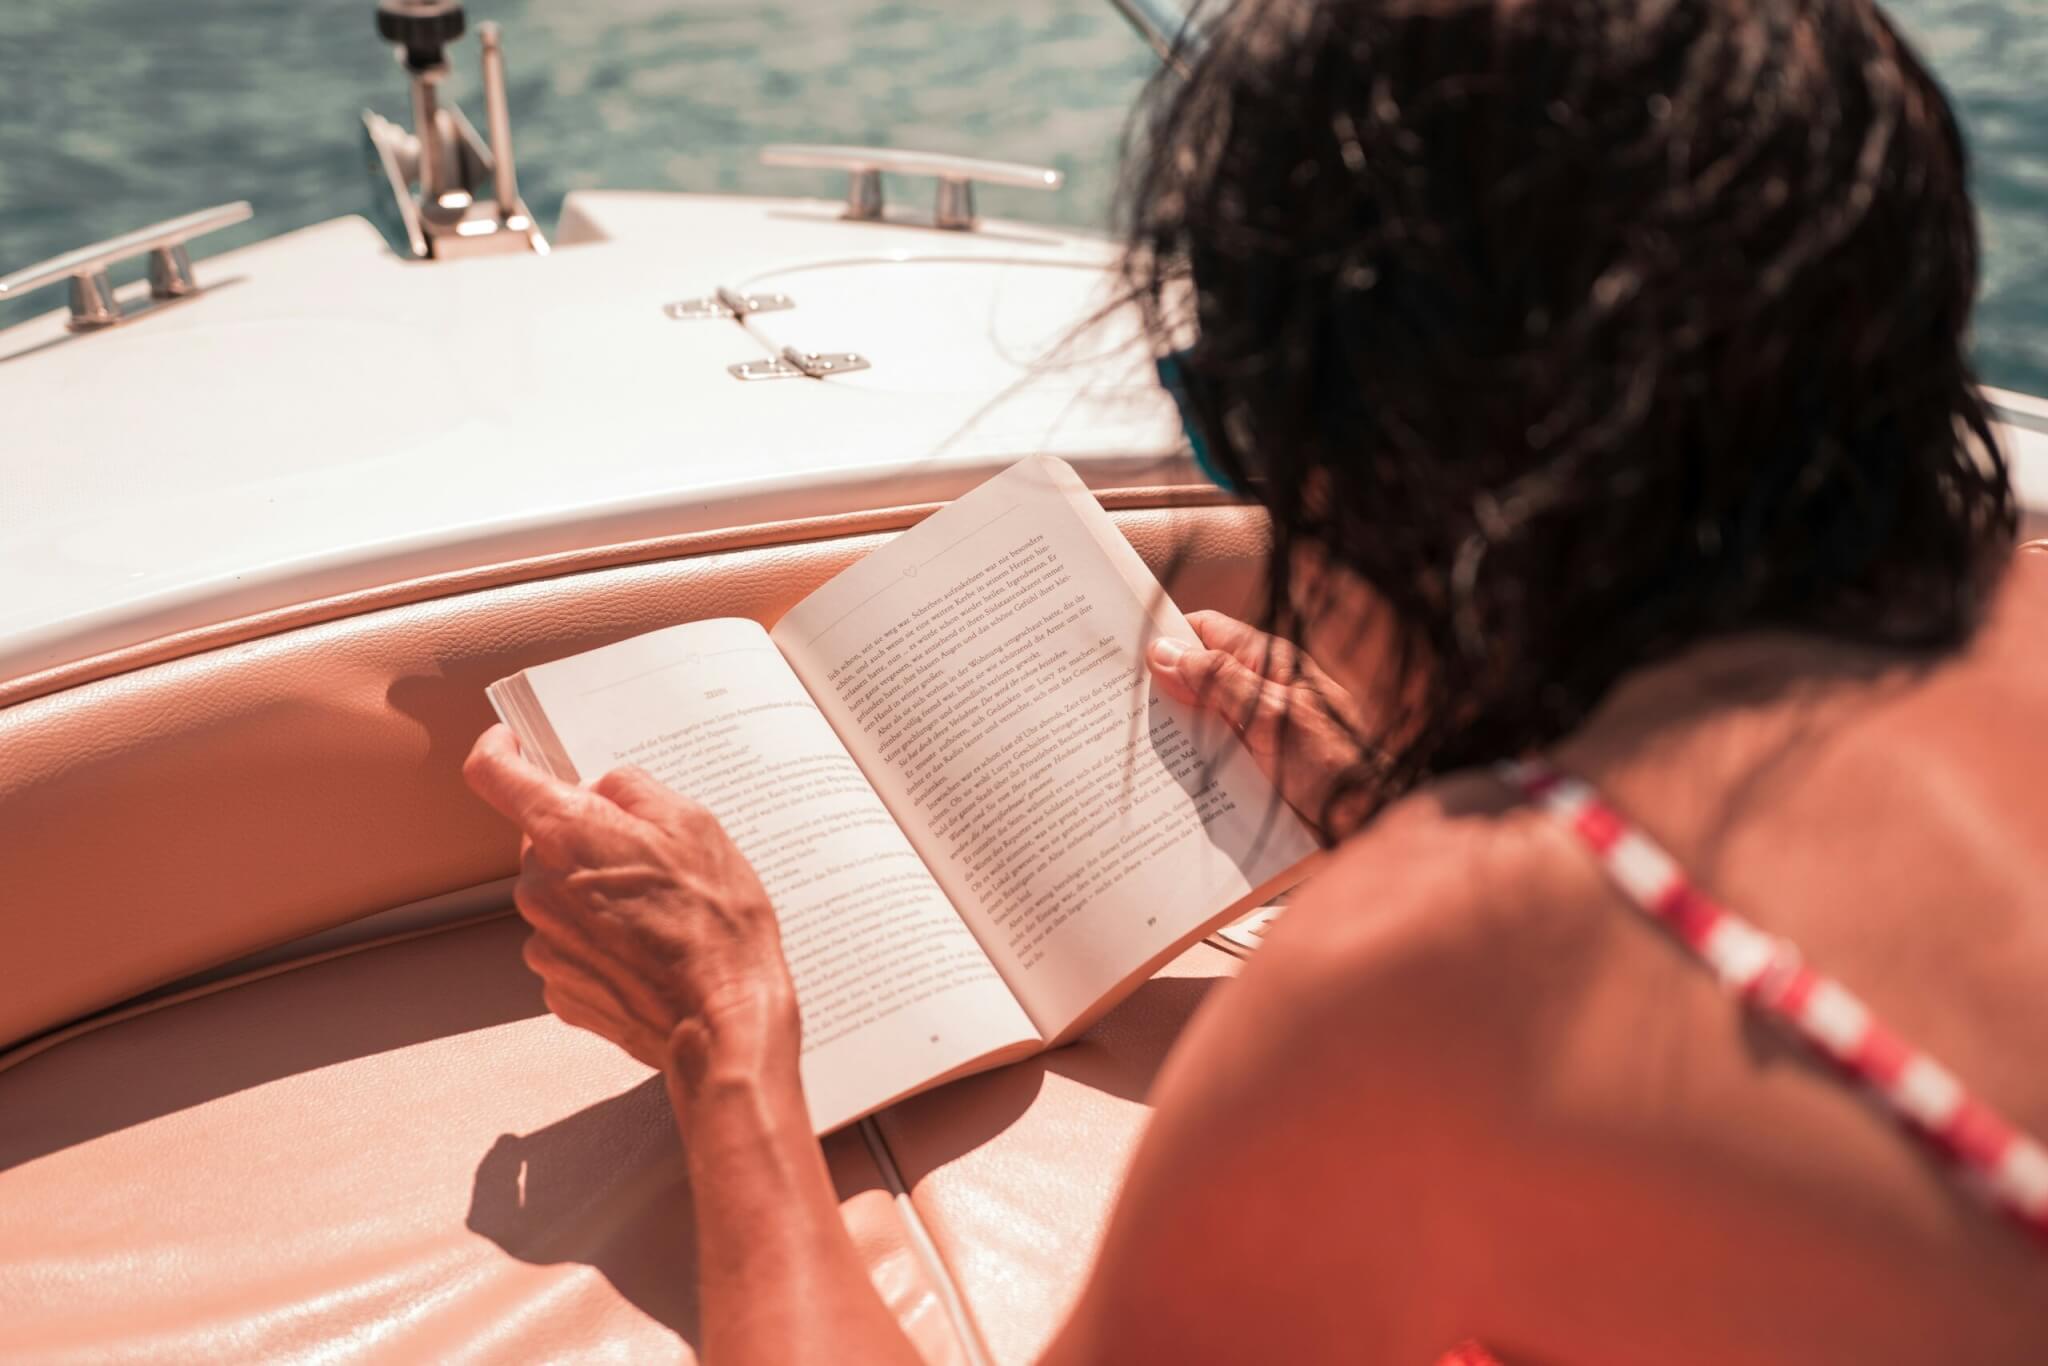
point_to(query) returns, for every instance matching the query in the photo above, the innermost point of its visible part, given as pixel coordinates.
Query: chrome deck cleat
(93, 304)
(954, 207)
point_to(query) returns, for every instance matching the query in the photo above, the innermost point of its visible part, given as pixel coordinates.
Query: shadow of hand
(604, 1187)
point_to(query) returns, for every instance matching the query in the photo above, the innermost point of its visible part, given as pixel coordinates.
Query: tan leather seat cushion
(1014, 1171)
(390, 1155)
(394, 1154)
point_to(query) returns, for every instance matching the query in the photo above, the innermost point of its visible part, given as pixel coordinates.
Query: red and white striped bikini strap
(2004, 1164)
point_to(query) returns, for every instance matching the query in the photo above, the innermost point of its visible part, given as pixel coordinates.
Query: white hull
(327, 417)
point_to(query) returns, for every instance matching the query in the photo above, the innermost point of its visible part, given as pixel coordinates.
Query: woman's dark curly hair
(1579, 330)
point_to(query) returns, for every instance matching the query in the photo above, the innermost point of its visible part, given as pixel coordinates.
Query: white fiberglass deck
(327, 417)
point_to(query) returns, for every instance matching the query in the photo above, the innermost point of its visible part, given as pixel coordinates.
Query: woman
(1601, 366)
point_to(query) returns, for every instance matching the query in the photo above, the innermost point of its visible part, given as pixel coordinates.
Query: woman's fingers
(1279, 662)
(503, 777)
(1214, 681)
(564, 823)
(1219, 631)
(583, 992)
(1264, 654)
(1299, 741)
(593, 914)
(639, 793)
(1240, 640)
(577, 1007)
(574, 1006)
(552, 958)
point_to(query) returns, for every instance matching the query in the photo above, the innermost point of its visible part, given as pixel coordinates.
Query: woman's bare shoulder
(1439, 962)
(1438, 967)
(1460, 888)
(1330, 1104)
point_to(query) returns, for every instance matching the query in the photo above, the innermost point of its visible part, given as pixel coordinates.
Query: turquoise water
(116, 113)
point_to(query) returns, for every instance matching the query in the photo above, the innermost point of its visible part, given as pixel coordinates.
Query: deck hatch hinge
(727, 303)
(798, 364)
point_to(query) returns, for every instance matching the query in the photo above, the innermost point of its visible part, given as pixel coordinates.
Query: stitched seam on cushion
(1217, 941)
(288, 617)
(42, 1043)
(965, 1330)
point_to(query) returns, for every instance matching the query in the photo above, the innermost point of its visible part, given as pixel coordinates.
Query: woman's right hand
(1302, 727)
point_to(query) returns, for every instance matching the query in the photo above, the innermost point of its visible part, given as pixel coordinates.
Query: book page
(986, 668)
(894, 989)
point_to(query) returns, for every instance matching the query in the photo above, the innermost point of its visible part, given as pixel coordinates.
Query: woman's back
(1891, 820)
(1539, 1122)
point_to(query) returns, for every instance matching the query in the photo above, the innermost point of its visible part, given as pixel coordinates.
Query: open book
(979, 822)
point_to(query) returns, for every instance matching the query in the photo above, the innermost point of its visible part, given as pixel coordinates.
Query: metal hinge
(795, 364)
(727, 303)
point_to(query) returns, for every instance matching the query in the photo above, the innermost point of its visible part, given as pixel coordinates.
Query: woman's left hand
(649, 926)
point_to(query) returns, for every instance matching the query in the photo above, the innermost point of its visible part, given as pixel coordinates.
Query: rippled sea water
(116, 113)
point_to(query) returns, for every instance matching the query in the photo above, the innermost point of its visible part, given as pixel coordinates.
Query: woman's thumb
(1205, 678)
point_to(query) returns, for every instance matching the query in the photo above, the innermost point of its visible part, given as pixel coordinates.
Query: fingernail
(1166, 651)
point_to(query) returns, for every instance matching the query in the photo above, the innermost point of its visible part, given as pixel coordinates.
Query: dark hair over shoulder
(1579, 330)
